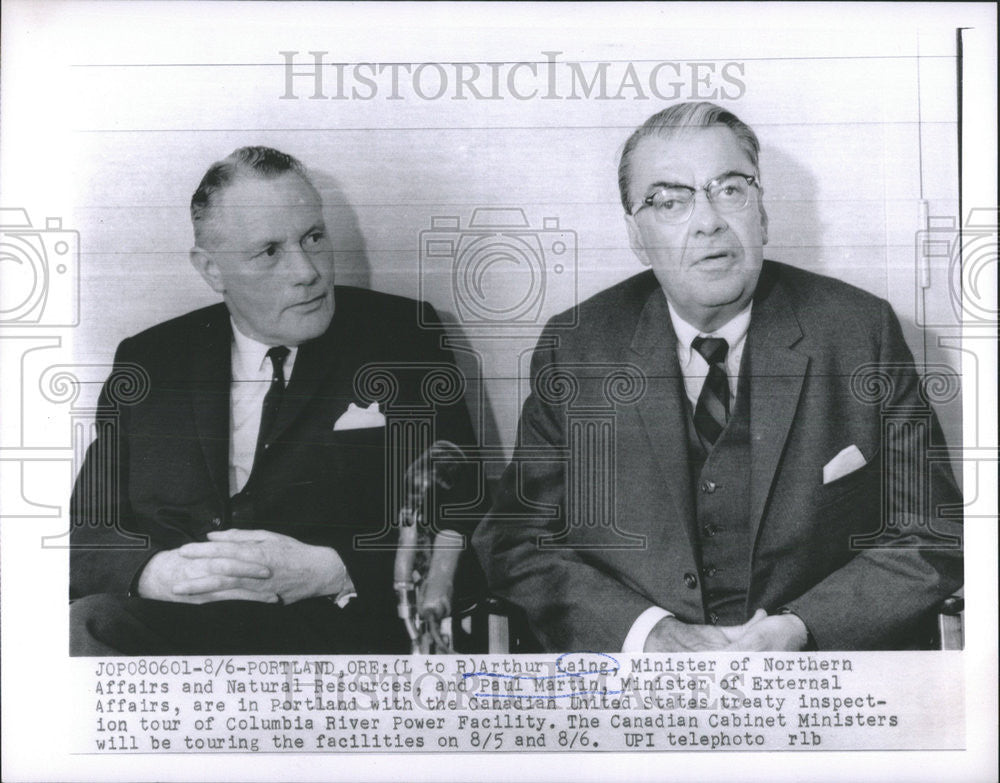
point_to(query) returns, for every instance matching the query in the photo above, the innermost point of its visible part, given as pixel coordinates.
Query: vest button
(709, 530)
(708, 487)
(690, 580)
(709, 570)
(216, 522)
(713, 618)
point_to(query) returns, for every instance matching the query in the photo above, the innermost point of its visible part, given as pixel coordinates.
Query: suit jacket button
(713, 618)
(690, 580)
(708, 487)
(216, 522)
(709, 530)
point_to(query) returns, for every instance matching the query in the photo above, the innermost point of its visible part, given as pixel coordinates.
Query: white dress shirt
(251, 378)
(693, 364)
(252, 371)
(694, 368)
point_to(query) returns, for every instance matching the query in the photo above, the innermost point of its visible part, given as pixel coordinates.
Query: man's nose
(705, 218)
(301, 267)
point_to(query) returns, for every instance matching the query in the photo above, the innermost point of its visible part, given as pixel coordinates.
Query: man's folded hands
(243, 565)
(761, 632)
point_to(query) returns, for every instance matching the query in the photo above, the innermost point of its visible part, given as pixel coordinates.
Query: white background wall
(855, 129)
(112, 111)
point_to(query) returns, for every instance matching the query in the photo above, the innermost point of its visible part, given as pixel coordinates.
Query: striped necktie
(712, 411)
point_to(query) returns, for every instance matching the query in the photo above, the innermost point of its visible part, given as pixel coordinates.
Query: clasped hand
(243, 565)
(760, 633)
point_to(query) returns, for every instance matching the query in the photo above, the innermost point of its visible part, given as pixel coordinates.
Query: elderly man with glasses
(752, 495)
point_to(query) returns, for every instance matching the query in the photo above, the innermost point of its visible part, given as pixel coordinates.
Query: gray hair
(682, 116)
(262, 162)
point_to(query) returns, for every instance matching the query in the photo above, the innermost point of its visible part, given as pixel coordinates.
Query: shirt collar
(733, 331)
(250, 357)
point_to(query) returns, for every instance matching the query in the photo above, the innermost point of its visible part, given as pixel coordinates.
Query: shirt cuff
(810, 641)
(347, 591)
(133, 586)
(343, 598)
(635, 641)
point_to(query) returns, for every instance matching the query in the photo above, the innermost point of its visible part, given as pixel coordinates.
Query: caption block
(574, 702)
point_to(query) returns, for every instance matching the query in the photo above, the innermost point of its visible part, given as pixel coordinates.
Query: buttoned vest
(720, 478)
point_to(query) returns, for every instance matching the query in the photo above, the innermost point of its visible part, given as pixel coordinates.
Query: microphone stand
(420, 559)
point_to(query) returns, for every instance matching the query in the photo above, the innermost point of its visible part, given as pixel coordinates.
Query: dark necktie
(272, 400)
(712, 411)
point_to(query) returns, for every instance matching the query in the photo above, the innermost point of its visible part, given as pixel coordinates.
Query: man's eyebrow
(319, 225)
(264, 242)
(730, 173)
(667, 184)
(267, 241)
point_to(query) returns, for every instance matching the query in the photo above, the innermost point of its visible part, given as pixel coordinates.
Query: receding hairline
(681, 134)
(252, 162)
(244, 177)
(678, 119)
(206, 222)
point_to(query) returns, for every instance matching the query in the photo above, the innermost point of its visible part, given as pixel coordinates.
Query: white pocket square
(847, 461)
(358, 418)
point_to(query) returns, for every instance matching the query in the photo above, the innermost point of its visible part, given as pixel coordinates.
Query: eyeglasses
(672, 204)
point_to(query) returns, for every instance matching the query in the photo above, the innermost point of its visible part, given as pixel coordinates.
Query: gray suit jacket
(860, 559)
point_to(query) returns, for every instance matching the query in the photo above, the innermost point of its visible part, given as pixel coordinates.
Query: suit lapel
(662, 408)
(778, 373)
(315, 361)
(211, 377)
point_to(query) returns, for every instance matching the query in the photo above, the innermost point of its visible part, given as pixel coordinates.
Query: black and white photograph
(389, 388)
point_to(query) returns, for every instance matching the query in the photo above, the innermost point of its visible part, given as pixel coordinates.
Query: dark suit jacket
(808, 335)
(159, 467)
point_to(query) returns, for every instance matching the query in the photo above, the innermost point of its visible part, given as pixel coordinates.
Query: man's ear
(203, 261)
(763, 216)
(635, 240)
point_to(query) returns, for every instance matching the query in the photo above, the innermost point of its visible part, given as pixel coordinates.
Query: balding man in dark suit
(762, 499)
(254, 468)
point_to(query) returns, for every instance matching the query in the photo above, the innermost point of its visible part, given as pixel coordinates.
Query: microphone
(441, 468)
